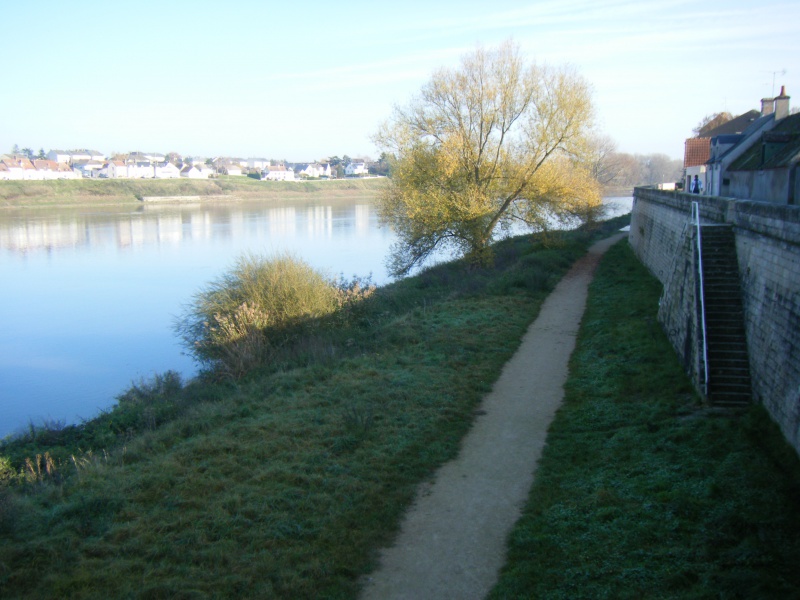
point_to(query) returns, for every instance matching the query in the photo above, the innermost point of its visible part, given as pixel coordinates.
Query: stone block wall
(768, 251)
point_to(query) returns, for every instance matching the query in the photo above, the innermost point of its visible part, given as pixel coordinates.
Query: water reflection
(24, 231)
(92, 293)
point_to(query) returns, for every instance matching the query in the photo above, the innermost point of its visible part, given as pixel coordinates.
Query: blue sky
(303, 81)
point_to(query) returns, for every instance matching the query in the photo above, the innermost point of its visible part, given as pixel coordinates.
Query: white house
(257, 163)
(39, 169)
(21, 168)
(59, 156)
(11, 169)
(191, 172)
(165, 170)
(83, 155)
(116, 169)
(48, 169)
(278, 173)
(87, 168)
(313, 170)
(356, 168)
(141, 169)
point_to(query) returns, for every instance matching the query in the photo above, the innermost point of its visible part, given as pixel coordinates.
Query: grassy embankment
(284, 483)
(124, 191)
(640, 493)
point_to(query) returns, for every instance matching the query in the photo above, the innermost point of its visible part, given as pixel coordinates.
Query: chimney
(782, 104)
(767, 106)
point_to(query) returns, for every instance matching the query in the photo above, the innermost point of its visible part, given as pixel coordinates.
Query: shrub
(236, 321)
(7, 472)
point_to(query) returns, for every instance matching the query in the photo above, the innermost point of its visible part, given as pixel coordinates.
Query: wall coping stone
(778, 221)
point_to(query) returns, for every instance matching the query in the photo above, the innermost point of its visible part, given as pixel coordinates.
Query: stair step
(724, 340)
(741, 390)
(729, 382)
(735, 403)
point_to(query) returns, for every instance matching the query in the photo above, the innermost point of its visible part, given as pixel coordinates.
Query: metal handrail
(696, 219)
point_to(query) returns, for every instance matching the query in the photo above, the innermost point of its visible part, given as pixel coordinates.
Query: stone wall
(764, 186)
(768, 251)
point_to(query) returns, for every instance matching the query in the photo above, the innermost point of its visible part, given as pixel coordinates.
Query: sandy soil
(452, 542)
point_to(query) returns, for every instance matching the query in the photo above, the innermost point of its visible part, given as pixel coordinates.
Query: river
(89, 295)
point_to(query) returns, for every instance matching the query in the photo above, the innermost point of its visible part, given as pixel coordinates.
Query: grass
(283, 483)
(642, 492)
(80, 192)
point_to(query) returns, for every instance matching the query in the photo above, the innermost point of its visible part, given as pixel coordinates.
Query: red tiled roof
(696, 152)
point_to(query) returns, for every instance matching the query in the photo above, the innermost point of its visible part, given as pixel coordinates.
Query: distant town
(23, 164)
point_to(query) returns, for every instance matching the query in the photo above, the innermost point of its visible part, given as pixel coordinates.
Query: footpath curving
(452, 541)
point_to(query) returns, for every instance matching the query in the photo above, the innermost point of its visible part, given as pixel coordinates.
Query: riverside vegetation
(282, 478)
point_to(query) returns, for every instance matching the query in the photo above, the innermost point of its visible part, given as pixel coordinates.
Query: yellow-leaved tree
(483, 145)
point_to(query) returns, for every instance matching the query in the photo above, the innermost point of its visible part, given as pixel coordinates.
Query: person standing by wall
(697, 186)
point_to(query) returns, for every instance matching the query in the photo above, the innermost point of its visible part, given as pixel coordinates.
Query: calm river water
(89, 295)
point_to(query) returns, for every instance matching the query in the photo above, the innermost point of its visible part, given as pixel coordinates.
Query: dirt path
(453, 539)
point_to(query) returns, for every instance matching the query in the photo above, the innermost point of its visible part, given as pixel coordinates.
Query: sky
(305, 81)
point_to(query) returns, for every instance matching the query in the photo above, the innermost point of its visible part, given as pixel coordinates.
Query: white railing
(696, 221)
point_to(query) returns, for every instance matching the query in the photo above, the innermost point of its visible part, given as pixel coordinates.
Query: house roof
(736, 125)
(47, 165)
(779, 147)
(696, 152)
(85, 151)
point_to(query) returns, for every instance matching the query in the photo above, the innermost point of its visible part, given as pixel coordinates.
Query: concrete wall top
(779, 221)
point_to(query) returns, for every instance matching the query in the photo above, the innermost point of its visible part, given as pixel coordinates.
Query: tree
(603, 160)
(484, 144)
(658, 168)
(382, 167)
(41, 154)
(174, 157)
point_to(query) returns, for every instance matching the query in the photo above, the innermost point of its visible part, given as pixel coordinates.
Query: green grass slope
(120, 191)
(643, 493)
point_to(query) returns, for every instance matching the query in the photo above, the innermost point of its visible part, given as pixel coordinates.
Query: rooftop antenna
(782, 72)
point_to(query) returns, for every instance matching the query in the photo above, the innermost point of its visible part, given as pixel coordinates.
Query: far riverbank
(105, 192)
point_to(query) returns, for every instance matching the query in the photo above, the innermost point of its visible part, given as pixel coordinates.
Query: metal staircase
(727, 364)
